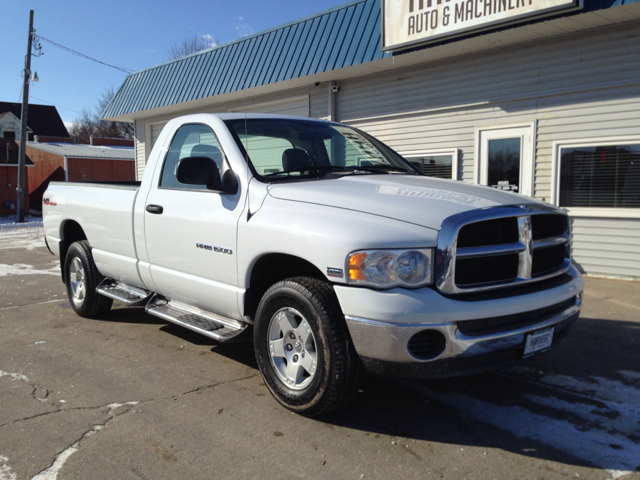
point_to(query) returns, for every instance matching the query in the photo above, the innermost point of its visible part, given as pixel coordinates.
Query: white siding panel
(575, 62)
(297, 106)
(144, 145)
(139, 139)
(155, 132)
(319, 102)
(607, 247)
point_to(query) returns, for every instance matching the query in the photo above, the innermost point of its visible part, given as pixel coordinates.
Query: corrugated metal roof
(341, 37)
(85, 151)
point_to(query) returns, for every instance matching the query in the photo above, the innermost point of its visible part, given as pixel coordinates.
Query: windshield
(287, 149)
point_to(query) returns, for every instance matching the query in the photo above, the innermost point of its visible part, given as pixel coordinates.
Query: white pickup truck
(337, 252)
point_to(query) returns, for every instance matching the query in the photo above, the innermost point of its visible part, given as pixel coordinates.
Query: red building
(9, 177)
(106, 160)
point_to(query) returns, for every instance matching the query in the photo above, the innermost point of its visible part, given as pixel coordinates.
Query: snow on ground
(21, 269)
(600, 426)
(29, 221)
(5, 470)
(28, 237)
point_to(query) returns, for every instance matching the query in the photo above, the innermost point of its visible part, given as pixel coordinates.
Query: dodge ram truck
(335, 253)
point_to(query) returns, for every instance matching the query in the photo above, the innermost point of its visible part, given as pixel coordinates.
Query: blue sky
(132, 34)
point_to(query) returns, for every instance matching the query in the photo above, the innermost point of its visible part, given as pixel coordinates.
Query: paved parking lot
(129, 396)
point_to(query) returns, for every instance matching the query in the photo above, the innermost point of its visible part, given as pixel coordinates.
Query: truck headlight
(390, 268)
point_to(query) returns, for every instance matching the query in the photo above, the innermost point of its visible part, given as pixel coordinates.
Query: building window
(599, 175)
(436, 163)
(11, 135)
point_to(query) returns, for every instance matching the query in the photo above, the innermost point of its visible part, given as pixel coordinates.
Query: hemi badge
(334, 272)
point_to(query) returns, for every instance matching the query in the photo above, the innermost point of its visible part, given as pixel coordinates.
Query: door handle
(157, 209)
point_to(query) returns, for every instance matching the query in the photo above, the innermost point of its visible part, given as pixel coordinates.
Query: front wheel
(303, 347)
(82, 279)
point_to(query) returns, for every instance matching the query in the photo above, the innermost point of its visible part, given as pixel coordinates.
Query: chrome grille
(489, 232)
(500, 247)
(484, 270)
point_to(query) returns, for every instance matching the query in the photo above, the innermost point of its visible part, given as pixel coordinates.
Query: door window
(505, 159)
(503, 163)
(190, 141)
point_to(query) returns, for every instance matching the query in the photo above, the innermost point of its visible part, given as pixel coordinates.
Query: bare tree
(190, 45)
(90, 123)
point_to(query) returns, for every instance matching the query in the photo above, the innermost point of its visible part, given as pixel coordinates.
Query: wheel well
(71, 232)
(272, 268)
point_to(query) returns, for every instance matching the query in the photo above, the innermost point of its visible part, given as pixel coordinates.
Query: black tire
(337, 369)
(82, 278)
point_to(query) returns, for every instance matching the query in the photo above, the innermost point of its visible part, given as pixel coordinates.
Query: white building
(10, 126)
(548, 106)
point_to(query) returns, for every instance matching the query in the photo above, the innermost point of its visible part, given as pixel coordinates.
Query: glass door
(506, 159)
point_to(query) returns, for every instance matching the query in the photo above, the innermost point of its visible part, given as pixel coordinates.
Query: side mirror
(204, 171)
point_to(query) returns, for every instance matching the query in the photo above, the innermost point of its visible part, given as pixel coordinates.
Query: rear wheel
(303, 348)
(82, 279)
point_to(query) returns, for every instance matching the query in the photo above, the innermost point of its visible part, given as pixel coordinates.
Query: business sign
(410, 22)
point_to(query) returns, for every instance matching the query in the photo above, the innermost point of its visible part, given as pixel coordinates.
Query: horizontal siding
(140, 149)
(156, 129)
(319, 102)
(298, 106)
(606, 246)
(578, 61)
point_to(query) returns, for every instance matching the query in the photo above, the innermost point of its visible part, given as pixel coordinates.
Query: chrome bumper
(388, 341)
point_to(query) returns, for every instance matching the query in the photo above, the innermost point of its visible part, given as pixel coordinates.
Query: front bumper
(382, 323)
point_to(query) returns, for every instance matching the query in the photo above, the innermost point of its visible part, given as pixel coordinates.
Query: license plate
(538, 341)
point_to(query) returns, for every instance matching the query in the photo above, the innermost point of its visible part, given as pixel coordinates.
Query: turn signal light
(355, 266)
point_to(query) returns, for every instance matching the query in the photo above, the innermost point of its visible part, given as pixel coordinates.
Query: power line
(51, 103)
(66, 49)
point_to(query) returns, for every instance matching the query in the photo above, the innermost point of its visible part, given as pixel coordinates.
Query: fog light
(427, 344)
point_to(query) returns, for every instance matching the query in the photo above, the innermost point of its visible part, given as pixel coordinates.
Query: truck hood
(419, 200)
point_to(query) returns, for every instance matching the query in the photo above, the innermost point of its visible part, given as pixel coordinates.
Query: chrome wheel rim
(77, 281)
(292, 348)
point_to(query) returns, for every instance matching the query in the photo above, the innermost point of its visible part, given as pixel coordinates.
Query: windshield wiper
(319, 168)
(384, 168)
(337, 168)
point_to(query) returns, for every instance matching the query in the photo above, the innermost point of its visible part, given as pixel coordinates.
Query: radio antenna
(246, 145)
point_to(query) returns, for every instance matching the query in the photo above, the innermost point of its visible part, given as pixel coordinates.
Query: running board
(222, 329)
(131, 296)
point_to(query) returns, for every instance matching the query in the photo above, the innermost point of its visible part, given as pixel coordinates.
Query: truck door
(191, 231)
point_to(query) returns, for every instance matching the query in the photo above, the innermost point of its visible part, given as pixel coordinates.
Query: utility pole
(23, 124)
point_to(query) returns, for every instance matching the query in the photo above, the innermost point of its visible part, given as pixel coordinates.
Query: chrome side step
(131, 296)
(222, 329)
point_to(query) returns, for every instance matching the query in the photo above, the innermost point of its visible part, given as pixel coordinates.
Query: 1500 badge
(214, 248)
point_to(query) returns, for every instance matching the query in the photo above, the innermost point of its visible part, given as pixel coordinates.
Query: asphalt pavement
(132, 397)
